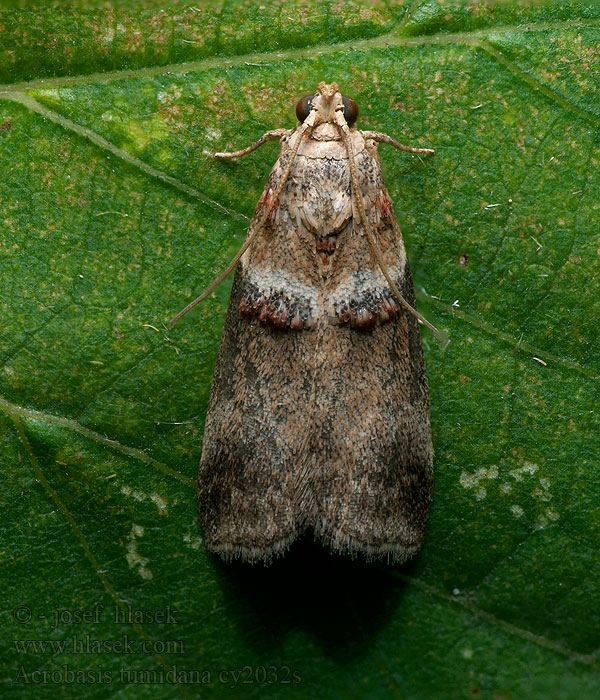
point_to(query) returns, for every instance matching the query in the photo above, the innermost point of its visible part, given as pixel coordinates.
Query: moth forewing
(318, 418)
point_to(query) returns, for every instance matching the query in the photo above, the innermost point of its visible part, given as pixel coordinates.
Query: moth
(318, 419)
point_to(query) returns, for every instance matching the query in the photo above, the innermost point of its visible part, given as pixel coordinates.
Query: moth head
(322, 105)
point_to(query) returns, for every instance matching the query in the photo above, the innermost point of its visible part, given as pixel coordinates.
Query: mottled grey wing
(371, 457)
(258, 420)
(256, 430)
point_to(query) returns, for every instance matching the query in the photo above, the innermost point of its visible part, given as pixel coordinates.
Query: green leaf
(114, 216)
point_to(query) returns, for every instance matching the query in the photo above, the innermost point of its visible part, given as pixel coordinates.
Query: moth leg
(384, 138)
(269, 136)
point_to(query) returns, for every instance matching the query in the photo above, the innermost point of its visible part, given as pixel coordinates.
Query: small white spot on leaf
(109, 34)
(541, 495)
(473, 480)
(195, 542)
(525, 468)
(134, 559)
(213, 134)
(158, 501)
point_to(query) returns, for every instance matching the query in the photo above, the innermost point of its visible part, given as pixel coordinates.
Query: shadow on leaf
(340, 602)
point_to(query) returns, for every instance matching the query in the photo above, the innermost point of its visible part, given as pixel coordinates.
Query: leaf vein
(16, 412)
(539, 640)
(89, 554)
(393, 38)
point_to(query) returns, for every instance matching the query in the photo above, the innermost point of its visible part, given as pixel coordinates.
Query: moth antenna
(268, 136)
(384, 138)
(376, 250)
(251, 234)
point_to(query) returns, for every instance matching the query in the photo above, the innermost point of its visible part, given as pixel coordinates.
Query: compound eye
(350, 110)
(303, 107)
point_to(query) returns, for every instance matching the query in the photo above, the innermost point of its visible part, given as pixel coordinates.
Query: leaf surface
(114, 216)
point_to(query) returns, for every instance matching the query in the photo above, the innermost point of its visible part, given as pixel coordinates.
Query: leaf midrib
(393, 38)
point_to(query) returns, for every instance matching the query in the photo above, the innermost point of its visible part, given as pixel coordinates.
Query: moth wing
(372, 470)
(257, 421)
(372, 463)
